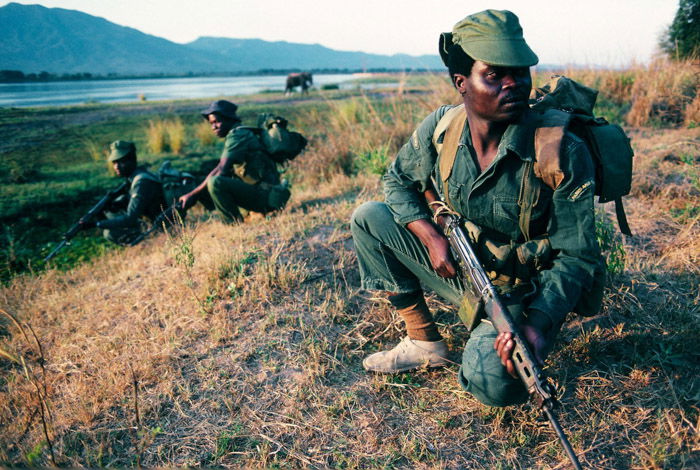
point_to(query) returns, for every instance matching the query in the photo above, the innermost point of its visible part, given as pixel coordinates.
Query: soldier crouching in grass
(245, 177)
(144, 197)
(400, 249)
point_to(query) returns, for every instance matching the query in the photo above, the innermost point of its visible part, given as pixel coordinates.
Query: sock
(415, 313)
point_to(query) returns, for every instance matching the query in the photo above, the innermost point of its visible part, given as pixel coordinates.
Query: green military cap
(120, 149)
(491, 36)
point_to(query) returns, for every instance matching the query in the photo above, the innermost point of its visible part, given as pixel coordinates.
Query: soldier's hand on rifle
(437, 245)
(440, 257)
(504, 345)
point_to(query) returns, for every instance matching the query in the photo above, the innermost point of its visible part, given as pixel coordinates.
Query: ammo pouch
(511, 265)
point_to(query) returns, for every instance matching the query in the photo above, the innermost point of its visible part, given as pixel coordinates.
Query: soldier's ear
(460, 83)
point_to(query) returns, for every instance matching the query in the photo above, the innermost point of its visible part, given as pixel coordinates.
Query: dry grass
(662, 93)
(175, 130)
(202, 132)
(241, 346)
(156, 136)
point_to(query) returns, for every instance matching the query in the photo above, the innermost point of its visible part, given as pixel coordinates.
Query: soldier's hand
(187, 201)
(505, 344)
(440, 257)
(437, 245)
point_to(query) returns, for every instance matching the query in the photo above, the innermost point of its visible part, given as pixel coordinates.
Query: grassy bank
(242, 345)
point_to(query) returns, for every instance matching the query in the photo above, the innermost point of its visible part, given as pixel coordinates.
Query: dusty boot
(407, 355)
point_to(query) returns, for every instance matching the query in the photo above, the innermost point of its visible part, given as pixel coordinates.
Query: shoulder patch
(580, 190)
(415, 141)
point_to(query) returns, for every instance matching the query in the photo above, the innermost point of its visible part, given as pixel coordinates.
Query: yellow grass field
(241, 345)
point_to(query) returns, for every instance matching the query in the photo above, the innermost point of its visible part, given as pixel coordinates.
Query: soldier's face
(124, 167)
(219, 126)
(493, 93)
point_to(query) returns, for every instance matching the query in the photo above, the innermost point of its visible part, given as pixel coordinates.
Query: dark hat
(491, 36)
(120, 149)
(222, 107)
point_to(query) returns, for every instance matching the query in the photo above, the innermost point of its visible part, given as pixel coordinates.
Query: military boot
(407, 355)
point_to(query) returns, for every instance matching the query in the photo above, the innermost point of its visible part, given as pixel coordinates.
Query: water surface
(120, 91)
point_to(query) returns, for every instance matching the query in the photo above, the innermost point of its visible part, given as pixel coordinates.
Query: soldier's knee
(372, 213)
(213, 184)
(483, 375)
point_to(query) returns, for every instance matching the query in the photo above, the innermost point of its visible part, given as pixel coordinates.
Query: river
(119, 91)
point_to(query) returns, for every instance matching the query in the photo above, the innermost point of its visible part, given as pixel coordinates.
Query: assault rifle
(480, 289)
(78, 226)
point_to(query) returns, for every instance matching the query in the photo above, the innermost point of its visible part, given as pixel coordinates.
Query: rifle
(479, 287)
(78, 226)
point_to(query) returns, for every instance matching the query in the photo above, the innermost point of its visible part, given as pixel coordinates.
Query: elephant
(303, 79)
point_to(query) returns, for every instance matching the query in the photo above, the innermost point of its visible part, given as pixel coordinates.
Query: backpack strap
(549, 134)
(621, 217)
(451, 125)
(529, 194)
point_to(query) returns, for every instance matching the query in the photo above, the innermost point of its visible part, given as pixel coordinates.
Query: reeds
(204, 135)
(175, 130)
(165, 135)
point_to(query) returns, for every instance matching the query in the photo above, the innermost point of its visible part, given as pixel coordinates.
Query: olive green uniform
(392, 259)
(144, 199)
(253, 182)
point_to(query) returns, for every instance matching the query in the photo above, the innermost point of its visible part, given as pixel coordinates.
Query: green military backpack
(563, 105)
(280, 143)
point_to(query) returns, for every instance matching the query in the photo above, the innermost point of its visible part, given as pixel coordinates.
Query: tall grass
(204, 135)
(156, 136)
(663, 93)
(175, 130)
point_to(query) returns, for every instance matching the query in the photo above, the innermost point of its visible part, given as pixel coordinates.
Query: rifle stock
(478, 284)
(89, 215)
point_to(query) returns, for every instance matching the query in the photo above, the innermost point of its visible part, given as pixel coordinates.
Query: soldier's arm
(236, 147)
(409, 175)
(142, 192)
(572, 236)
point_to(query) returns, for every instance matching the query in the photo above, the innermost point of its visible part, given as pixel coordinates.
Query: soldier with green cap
(401, 251)
(144, 197)
(245, 177)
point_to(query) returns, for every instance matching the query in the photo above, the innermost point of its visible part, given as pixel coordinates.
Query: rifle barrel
(562, 437)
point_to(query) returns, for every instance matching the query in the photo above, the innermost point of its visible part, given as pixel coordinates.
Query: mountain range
(34, 38)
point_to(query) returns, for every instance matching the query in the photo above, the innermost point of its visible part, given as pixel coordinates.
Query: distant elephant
(294, 80)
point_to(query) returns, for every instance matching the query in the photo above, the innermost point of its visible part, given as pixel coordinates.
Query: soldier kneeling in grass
(143, 197)
(246, 178)
(482, 172)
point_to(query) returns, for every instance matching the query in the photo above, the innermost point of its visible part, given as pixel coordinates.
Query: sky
(613, 33)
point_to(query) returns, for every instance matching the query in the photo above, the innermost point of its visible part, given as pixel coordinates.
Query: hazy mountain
(256, 54)
(34, 38)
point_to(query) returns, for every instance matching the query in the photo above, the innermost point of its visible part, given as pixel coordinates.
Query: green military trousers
(393, 259)
(124, 235)
(229, 195)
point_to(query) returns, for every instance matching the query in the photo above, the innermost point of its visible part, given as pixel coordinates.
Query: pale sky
(584, 32)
